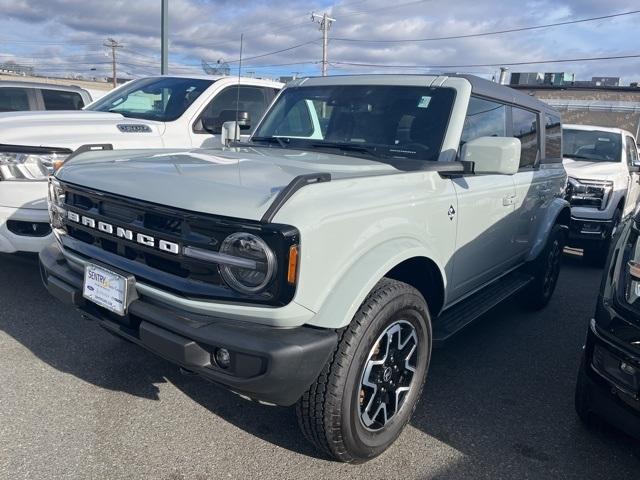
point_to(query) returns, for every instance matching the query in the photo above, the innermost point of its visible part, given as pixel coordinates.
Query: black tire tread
(318, 400)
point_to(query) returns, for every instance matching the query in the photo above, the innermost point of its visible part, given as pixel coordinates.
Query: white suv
(603, 186)
(369, 217)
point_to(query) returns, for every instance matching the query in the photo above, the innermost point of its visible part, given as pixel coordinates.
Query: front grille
(183, 275)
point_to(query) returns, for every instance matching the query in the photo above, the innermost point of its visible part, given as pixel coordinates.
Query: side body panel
(354, 231)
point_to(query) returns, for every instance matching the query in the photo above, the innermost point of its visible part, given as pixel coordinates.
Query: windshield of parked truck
(399, 125)
(161, 98)
(591, 145)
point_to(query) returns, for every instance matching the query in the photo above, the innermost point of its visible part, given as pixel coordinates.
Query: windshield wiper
(282, 141)
(581, 157)
(348, 147)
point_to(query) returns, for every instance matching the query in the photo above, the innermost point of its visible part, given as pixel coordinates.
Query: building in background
(591, 104)
(14, 68)
(542, 78)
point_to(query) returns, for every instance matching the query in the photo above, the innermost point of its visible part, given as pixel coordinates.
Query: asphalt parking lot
(76, 402)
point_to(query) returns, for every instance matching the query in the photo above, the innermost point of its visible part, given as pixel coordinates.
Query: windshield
(162, 98)
(592, 145)
(400, 125)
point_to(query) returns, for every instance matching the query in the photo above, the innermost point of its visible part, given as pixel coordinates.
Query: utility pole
(113, 44)
(164, 50)
(325, 24)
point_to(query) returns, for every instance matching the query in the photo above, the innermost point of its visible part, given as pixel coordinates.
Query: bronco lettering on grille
(119, 232)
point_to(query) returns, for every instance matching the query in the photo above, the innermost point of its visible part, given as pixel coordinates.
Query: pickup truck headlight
(29, 166)
(56, 203)
(588, 193)
(255, 266)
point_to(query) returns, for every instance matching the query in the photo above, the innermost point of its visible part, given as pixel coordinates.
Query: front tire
(370, 387)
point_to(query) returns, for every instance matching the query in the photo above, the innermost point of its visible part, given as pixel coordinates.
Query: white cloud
(210, 29)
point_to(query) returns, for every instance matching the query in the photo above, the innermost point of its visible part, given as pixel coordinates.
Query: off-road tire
(545, 270)
(329, 413)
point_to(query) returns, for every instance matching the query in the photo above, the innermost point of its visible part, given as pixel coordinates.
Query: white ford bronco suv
(368, 218)
(603, 187)
(152, 112)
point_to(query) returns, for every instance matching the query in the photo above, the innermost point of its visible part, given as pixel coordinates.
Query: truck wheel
(545, 270)
(582, 396)
(369, 388)
(596, 254)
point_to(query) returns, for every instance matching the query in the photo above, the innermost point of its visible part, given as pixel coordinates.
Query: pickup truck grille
(105, 241)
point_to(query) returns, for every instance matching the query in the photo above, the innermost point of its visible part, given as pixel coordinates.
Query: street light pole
(164, 31)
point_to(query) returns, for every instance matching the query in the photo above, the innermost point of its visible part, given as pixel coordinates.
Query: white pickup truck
(604, 184)
(152, 112)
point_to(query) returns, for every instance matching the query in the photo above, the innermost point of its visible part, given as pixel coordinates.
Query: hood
(71, 129)
(238, 182)
(586, 170)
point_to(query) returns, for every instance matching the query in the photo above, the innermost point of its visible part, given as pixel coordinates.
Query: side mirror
(499, 155)
(230, 133)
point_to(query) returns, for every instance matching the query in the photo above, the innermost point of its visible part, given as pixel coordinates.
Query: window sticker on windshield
(604, 139)
(424, 102)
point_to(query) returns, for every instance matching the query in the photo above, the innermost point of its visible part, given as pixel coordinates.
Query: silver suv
(368, 218)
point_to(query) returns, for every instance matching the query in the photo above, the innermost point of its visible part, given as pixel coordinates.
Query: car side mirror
(230, 133)
(497, 155)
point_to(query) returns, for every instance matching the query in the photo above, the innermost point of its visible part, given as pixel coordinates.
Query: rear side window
(525, 128)
(553, 136)
(13, 99)
(61, 100)
(484, 119)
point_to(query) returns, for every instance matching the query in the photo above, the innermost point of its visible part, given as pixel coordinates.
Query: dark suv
(609, 378)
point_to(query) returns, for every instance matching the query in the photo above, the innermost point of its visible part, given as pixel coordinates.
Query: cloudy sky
(60, 37)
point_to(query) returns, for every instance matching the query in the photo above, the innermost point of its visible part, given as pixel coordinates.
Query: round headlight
(256, 266)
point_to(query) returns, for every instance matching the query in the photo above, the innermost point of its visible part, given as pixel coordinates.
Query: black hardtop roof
(479, 86)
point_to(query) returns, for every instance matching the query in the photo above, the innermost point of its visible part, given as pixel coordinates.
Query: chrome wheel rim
(388, 375)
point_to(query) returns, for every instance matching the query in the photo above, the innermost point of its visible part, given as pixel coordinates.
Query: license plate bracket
(108, 288)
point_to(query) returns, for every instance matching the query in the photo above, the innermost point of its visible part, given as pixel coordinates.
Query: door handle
(509, 200)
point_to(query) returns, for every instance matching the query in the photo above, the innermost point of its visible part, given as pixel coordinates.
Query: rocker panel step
(460, 315)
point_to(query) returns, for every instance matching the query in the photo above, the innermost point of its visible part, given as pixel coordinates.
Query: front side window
(591, 145)
(525, 129)
(224, 106)
(391, 124)
(13, 99)
(164, 99)
(485, 118)
(61, 100)
(553, 136)
(632, 151)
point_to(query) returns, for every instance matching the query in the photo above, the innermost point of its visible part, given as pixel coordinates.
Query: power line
(484, 34)
(113, 45)
(476, 65)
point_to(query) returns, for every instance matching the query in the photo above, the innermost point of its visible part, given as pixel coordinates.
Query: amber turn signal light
(292, 271)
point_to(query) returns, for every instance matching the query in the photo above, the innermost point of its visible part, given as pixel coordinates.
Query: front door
(484, 241)
(486, 205)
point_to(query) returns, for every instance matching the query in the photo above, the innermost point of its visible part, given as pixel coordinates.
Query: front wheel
(369, 389)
